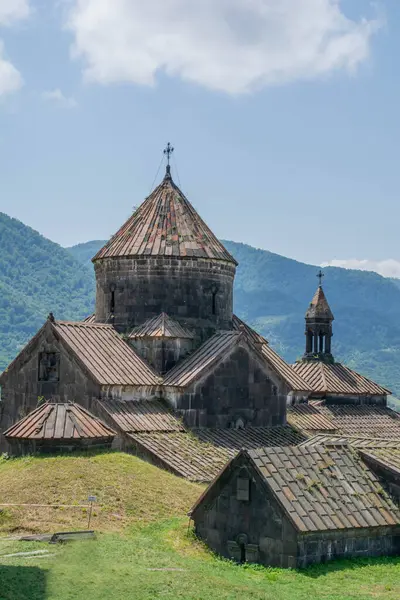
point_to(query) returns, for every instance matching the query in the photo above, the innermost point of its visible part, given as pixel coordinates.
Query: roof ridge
(322, 365)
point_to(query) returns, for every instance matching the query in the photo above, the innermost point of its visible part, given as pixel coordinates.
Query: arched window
(112, 299)
(214, 301)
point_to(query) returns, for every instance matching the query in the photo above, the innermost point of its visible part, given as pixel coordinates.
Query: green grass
(120, 567)
(128, 490)
(144, 549)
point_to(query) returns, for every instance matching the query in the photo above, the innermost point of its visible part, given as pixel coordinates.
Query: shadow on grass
(22, 583)
(316, 571)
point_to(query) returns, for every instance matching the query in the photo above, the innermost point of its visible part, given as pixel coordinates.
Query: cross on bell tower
(318, 332)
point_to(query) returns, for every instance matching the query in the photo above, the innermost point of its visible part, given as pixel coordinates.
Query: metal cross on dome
(168, 151)
(320, 275)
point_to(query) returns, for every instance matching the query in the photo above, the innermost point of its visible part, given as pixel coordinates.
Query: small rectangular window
(243, 489)
(49, 366)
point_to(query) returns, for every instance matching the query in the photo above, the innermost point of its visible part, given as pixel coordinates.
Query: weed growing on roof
(313, 483)
(300, 476)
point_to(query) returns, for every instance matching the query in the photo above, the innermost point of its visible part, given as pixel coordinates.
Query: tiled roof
(360, 443)
(107, 357)
(295, 381)
(183, 454)
(347, 419)
(90, 319)
(307, 417)
(59, 421)
(251, 437)
(200, 454)
(364, 420)
(387, 457)
(161, 327)
(319, 307)
(141, 416)
(324, 378)
(185, 372)
(166, 224)
(325, 488)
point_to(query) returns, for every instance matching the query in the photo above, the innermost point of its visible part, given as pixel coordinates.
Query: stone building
(58, 426)
(163, 332)
(295, 506)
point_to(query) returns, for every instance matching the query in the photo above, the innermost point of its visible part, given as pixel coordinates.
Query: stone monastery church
(168, 368)
(303, 459)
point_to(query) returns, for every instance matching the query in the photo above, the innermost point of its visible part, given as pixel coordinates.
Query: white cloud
(11, 11)
(57, 97)
(231, 45)
(388, 268)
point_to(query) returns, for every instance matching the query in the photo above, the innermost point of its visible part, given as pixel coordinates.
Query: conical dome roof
(319, 307)
(166, 224)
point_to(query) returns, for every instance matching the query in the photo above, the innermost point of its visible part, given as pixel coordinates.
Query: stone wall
(183, 288)
(255, 531)
(240, 391)
(353, 543)
(357, 400)
(21, 388)
(259, 530)
(162, 354)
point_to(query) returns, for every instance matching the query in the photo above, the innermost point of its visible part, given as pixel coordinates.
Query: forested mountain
(36, 276)
(271, 293)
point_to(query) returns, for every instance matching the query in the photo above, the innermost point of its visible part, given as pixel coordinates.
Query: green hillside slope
(36, 276)
(272, 294)
(144, 547)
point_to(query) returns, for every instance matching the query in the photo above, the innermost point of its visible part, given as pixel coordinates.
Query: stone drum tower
(165, 259)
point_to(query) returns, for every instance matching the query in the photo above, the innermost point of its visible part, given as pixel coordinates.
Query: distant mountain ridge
(271, 293)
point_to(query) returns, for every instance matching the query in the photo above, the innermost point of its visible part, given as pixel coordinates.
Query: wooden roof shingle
(166, 224)
(59, 421)
(320, 489)
(141, 415)
(200, 454)
(161, 326)
(325, 378)
(354, 420)
(107, 357)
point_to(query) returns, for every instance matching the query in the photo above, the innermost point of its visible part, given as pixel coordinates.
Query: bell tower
(319, 318)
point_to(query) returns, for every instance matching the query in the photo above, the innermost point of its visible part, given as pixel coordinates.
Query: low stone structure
(295, 506)
(56, 427)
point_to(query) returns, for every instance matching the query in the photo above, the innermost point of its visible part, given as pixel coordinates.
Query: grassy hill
(144, 549)
(272, 294)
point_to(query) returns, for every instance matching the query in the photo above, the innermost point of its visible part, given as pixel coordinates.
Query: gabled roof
(59, 421)
(326, 378)
(318, 488)
(293, 379)
(105, 355)
(161, 327)
(319, 307)
(347, 419)
(166, 224)
(185, 372)
(141, 416)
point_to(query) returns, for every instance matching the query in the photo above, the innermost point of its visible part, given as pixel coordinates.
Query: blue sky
(284, 116)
